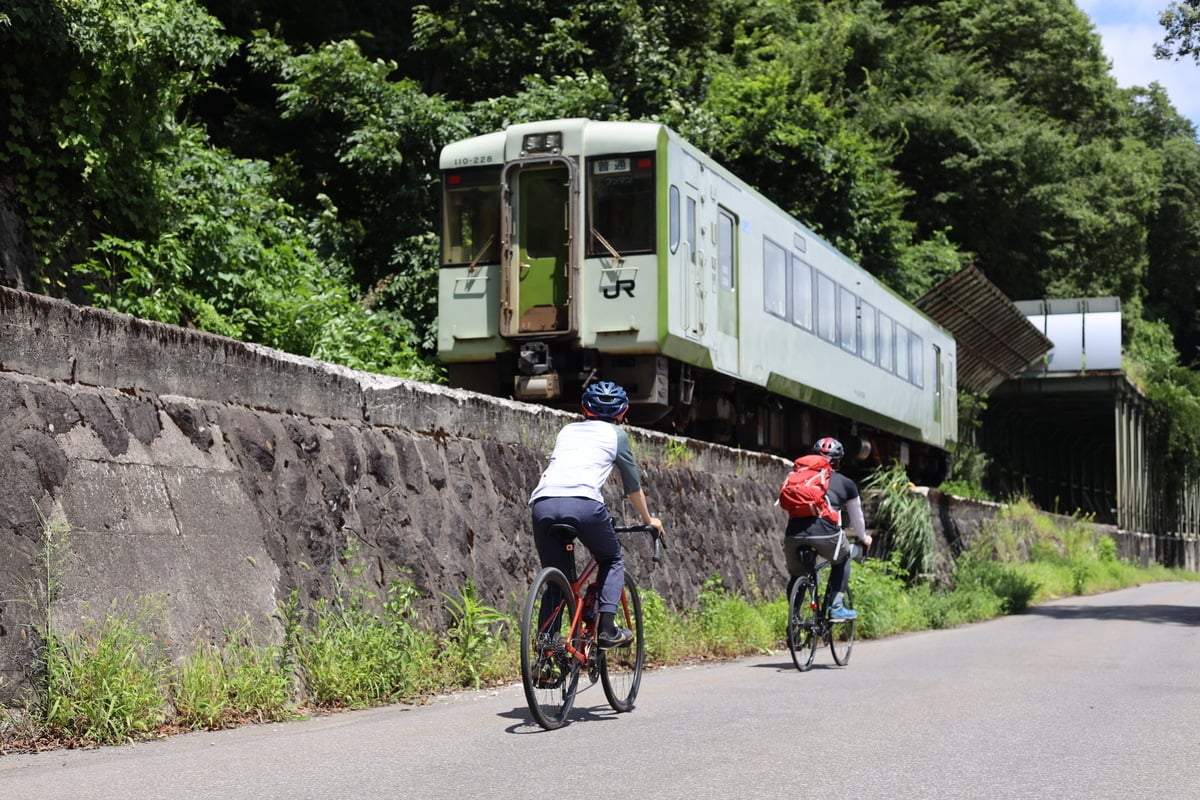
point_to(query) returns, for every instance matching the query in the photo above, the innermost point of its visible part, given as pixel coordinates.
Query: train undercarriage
(677, 398)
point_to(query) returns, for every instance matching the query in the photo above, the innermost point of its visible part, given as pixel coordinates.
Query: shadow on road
(1166, 615)
(788, 666)
(526, 723)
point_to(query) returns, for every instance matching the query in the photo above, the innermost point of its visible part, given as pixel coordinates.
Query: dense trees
(267, 170)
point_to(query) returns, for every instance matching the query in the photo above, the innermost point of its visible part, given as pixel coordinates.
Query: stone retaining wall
(217, 477)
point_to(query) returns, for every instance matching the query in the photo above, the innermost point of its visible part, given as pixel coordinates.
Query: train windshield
(621, 215)
(471, 216)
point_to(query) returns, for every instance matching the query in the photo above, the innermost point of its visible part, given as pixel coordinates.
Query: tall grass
(238, 680)
(352, 653)
(104, 683)
(904, 515)
(474, 634)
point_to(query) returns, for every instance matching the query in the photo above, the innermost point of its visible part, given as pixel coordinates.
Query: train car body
(576, 250)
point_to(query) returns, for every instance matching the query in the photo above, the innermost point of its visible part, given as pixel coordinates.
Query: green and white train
(576, 250)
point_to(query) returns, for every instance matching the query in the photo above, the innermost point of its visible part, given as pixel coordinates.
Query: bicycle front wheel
(802, 620)
(841, 635)
(550, 674)
(621, 667)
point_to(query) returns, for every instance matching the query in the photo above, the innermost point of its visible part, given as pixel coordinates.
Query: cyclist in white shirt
(569, 492)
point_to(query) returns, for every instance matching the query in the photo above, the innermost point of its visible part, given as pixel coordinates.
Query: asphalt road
(1089, 698)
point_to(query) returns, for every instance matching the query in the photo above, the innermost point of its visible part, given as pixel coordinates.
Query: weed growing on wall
(237, 681)
(473, 634)
(677, 452)
(352, 651)
(105, 683)
(903, 519)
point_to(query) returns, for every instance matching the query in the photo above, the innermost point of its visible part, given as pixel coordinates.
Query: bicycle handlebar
(658, 539)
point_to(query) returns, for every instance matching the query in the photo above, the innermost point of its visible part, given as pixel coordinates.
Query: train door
(725, 340)
(693, 266)
(943, 414)
(535, 263)
(692, 259)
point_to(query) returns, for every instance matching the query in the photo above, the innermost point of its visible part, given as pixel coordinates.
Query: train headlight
(542, 142)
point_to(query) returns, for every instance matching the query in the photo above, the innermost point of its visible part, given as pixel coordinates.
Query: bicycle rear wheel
(621, 667)
(841, 635)
(802, 618)
(550, 675)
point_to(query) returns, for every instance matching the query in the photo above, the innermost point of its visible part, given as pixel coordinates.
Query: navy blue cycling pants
(595, 532)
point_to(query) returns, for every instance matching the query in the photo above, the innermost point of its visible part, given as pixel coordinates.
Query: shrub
(104, 684)
(905, 518)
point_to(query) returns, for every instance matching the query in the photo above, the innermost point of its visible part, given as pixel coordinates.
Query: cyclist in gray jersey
(569, 492)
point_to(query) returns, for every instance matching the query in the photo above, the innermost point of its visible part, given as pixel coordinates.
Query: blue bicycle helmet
(606, 400)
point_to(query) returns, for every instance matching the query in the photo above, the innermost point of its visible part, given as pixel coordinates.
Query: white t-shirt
(583, 458)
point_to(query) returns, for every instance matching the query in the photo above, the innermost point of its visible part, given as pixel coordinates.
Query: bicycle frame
(582, 630)
(808, 628)
(815, 563)
(558, 639)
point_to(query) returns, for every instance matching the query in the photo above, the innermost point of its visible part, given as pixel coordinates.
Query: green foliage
(904, 517)
(726, 624)
(677, 451)
(667, 635)
(104, 684)
(474, 633)
(885, 606)
(1013, 589)
(970, 462)
(94, 91)
(241, 680)
(353, 654)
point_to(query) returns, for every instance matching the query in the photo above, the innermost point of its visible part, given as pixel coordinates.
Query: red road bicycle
(558, 638)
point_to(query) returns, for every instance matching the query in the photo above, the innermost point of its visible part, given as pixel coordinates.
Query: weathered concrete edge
(56, 340)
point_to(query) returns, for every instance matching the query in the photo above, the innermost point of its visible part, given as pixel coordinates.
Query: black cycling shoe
(619, 637)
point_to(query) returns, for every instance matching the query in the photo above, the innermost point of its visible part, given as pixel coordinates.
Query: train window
(887, 342)
(725, 243)
(867, 334)
(544, 234)
(691, 228)
(847, 320)
(903, 354)
(621, 211)
(802, 294)
(775, 294)
(917, 351)
(826, 307)
(471, 216)
(673, 217)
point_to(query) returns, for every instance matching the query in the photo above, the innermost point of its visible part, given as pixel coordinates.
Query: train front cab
(549, 266)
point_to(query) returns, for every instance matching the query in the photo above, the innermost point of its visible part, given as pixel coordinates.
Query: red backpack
(803, 491)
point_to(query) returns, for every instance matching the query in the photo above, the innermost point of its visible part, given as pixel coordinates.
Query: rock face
(212, 479)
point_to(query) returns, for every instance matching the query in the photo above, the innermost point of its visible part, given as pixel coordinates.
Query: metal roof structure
(996, 341)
